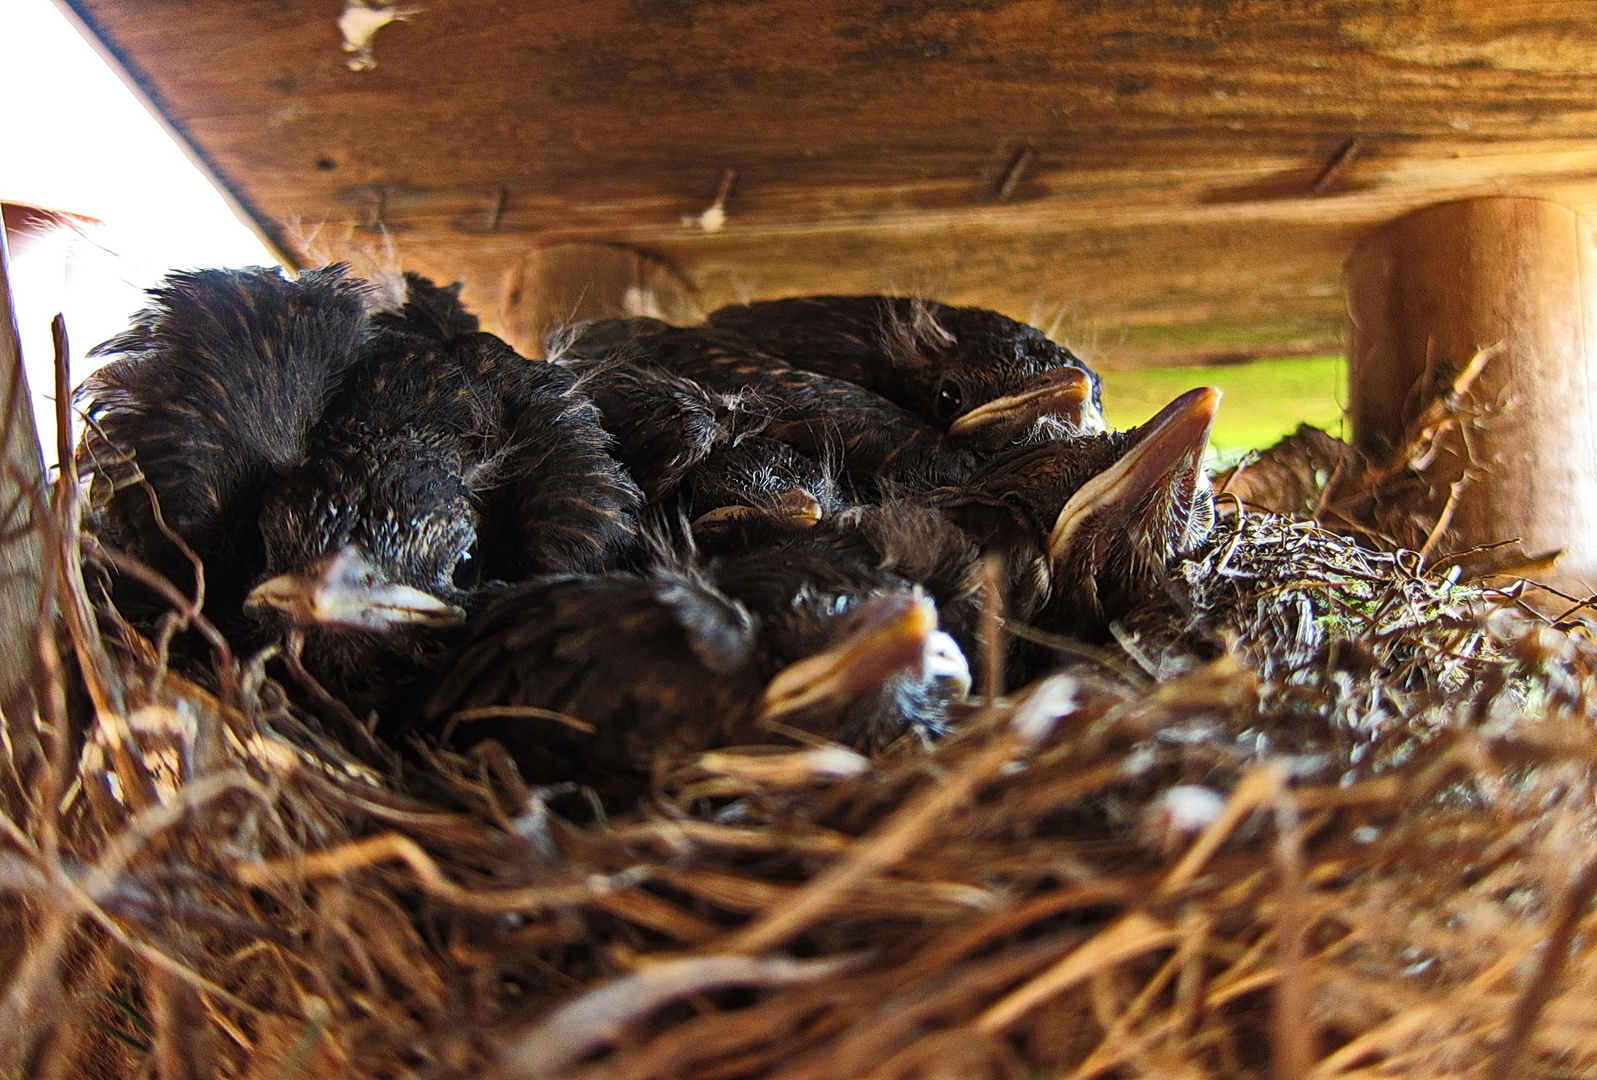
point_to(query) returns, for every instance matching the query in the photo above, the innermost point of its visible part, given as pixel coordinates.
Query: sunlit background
(77, 140)
(1265, 400)
(74, 139)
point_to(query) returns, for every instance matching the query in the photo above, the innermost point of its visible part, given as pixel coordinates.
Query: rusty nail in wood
(1013, 173)
(1339, 162)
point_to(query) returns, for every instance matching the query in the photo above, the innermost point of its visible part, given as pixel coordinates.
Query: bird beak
(890, 633)
(1065, 393)
(1165, 456)
(795, 509)
(344, 589)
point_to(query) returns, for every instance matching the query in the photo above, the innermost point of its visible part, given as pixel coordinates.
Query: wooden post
(1424, 294)
(21, 546)
(556, 285)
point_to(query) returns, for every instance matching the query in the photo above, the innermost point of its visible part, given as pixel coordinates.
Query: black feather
(658, 663)
(212, 391)
(432, 311)
(282, 430)
(916, 353)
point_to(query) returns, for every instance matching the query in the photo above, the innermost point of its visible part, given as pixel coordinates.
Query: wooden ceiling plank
(1171, 148)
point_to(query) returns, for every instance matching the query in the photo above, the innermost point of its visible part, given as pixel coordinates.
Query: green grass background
(1264, 400)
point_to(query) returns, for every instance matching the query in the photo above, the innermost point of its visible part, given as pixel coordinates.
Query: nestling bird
(696, 453)
(1086, 527)
(757, 490)
(355, 488)
(663, 663)
(216, 387)
(1112, 541)
(876, 443)
(937, 361)
(797, 590)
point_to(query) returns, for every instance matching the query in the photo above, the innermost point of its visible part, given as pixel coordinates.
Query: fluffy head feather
(214, 388)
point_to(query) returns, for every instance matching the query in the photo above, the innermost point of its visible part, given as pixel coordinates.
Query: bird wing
(830, 335)
(663, 424)
(559, 500)
(823, 416)
(640, 659)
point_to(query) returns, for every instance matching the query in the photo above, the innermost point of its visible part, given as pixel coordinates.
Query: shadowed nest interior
(1327, 812)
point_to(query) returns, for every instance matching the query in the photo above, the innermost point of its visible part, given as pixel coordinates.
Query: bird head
(886, 654)
(952, 361)
(1114, 536)
(1055, 404)
(757, 487)
(936, 361)
(376, 537)
(213, 390)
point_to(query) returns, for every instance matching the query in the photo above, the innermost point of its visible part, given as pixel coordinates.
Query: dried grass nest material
(1324, 814)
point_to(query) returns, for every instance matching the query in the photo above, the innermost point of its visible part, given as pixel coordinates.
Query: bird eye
(949, 400)
(465, 573)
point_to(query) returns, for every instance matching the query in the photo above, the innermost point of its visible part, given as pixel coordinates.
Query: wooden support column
(556, 285)
(21, 546)
(1424, 294)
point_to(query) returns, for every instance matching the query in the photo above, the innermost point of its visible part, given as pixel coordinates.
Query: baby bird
(382, 473)
(937, 361)
(879, 445)
(1086, 527)
(214, 391)
(656, 665)
(756, 490)
(799, 592)
(1115, 536)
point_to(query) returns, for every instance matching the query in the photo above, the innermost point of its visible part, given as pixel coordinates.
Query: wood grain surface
(1159, 182)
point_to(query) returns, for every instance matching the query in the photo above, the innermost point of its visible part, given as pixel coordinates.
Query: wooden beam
(549, 287)
(1175, 180)
(21, 546)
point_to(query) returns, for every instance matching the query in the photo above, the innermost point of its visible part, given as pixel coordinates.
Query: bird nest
(1324, 813)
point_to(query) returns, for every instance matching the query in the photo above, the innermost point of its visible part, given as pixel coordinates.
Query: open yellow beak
(1166, 448)
(889, 634)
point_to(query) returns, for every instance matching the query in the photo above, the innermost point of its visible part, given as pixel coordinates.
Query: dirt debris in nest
(1324, 813)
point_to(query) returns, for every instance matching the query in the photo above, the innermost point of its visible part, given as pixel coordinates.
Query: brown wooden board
(1166, 182)
(21, 545)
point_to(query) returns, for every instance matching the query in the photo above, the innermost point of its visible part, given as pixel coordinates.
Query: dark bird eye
(949, 400)
(465, 574)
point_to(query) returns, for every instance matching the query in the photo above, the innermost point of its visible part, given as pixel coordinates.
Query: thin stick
(531, 712)
(1445, 518)
(389, 847)
(899, 835)
(1290, 1009)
